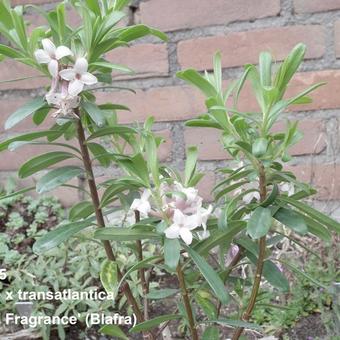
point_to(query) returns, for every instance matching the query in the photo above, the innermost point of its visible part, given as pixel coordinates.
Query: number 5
(3, 274)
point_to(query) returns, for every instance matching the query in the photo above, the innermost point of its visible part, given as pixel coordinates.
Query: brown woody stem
(187, 303)
(145, 285)
(260, 262)
(99, 214)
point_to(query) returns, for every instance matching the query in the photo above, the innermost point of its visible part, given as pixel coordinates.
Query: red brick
(26, 2)
(146, 60)
(10, 105)
(205, 186)
(337, 38)
(303, 6)
(165, 148)
(244, 47)
(35, 19)
(325, 97)
(12, 160)
(314, 139)
(165, 104)
(178, 14)
(10, 69)
(210, 147)
(324, 177)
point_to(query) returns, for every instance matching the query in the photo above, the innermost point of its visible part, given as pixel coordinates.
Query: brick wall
(240, 29)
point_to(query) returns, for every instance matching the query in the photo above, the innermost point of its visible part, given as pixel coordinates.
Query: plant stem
(187, 303)
(99, 214)
(145, 285)
(260, 261)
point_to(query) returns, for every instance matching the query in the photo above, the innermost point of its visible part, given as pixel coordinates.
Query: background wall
(240, 29)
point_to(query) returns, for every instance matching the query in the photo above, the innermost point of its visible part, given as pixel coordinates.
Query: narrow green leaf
(24, 112)
(94, 112)
(259, 222)
(146, 325)
(125, 234)
(114, 67)
(190, 163)
(313, 213)
(113, 330)
(57, 236)
(81, 210)
(291, 219)
(172, 250)
(211, 333)
(210, 275)
(112, 130)
(42, 162)
(193, 77)
(235, 323)
(156, 294)
(57, 177)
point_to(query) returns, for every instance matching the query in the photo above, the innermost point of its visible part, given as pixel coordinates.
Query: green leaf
(259, 222)
(109, 276)
(211, 333)
(125, 234)
(94, 112)
(219, 237)
(81, 210)
(57, 177)
(24, 112)
(42, 162)
(10, 52)
(141, 264)
(190, 164)
(146, 325)
(210, 275)
(57, 236)
(235, 323)
(259, 147)
(291, 219)
(265, 68)
(172, 250)
(19, 192)
(100, 153)
(113, 330)
(110, 66)
(300, 272)
(161, 293)
(193, 77)
(313, 213)
(112, 130)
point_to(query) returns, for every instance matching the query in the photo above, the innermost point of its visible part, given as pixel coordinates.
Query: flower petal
(186, 235)
(88, 78)
(172, 231)
(42, 57)
(68, 74)
(53, 68)
(62, 51)
(75, 87)
(49, 47)
(179, 217)
(81, 65)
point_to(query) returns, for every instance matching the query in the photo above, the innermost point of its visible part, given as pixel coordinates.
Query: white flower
(288, 188)
(182, 226)
(142, 204)
(78, 77)
(50, 54)
(247, 198)
(205, 213)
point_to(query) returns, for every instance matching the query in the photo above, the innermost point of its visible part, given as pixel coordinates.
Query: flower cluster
(181, 206)
(69, 81)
